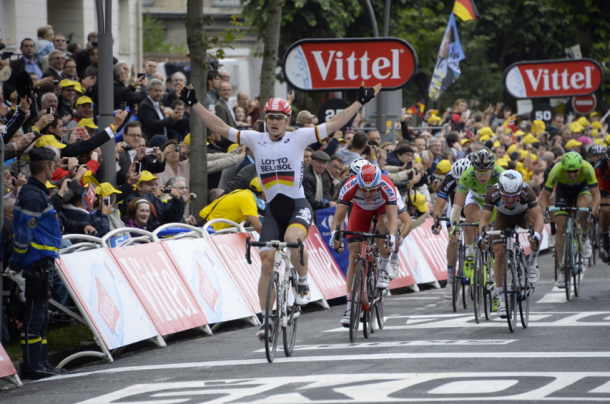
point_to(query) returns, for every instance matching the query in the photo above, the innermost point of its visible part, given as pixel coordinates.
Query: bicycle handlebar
(275, 244)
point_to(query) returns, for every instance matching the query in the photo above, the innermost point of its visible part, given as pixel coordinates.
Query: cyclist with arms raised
(446, 196)
(576, 185)
(370, 193)
(516, 204)
(470, 195)
(279, 165)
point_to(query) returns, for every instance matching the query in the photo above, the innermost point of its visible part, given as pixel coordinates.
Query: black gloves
(188, 96)
(366, 94)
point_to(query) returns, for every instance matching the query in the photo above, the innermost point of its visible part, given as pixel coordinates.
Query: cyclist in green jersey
(576, 185)
(470, 196)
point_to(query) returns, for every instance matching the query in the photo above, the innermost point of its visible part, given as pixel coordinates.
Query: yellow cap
(48, 140)
(607, 139)
(465, 140)
(484, 138)
(232, 147)
(596, 125)
(88, 178)
(87, 123)
(419, 201)
(593, 114)
(496, 143)
(599, 141)
(67, 83)
(584, 122)
(443, 167)
(538, 127)
(519, 133)
(49, 185)
(106, 189)
(434, 119)
(84, 100)
(575, 127)
(573, 143)
(341, 140)
(486, 131)
(503, 162)
(147, 176)
(78, 87)
(187, 140)
(530, 139)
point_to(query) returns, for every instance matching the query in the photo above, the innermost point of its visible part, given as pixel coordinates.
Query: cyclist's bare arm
(458, 203)
(484, 221)
(543, 200)
(439, 206)
(538, 218)
(341, 119)
(214, 123)
(407, 224)
(338, 219)
(596, 200)
(392, 214)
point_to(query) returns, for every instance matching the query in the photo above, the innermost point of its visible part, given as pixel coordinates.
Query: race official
(37, 238)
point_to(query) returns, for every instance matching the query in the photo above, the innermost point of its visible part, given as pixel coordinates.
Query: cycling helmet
(597, 149)
(278, 105)
(356, 165)
(459, 167)
(510, 182)
(255, 185)
(483, 159)
(369, 176)
(571, 161)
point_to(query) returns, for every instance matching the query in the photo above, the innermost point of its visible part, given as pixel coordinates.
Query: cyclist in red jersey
(602, 172)
(371, 193)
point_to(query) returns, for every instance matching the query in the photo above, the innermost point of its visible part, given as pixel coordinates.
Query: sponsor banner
(553, 78)
(108, 299)
(324, 218)
(6, 366)
(433, 248)
(342, 64)
(209, 279)
(168, 300)
(323, 267)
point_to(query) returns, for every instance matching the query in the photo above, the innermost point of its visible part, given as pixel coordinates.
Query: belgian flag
(417, 109)
(466, 10)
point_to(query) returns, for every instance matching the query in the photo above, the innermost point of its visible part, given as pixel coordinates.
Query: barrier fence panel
(322, 266)
(432, 247)
(169, 301)
(214, 288)
(7, 370)
(108, 300)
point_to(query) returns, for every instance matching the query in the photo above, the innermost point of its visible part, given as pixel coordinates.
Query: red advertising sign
(553, 78)
(433, 247)
(6, 366)
(166, 297)
(340, 64)
(584, 105)
(322, 266)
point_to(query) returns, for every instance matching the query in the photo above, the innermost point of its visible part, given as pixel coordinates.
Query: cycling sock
(584, 236)
(470, 250)
(384, 264)
(450, 271)
(349, 301)
(500, 291)
(394, 256)
(606, 239)
(533, 257)
(303, 279)
(553, 228)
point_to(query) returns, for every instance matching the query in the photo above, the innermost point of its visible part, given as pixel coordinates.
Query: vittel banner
(339, 64)
(553, 78)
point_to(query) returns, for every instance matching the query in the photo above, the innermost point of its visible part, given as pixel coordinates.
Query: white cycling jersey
(279, 164)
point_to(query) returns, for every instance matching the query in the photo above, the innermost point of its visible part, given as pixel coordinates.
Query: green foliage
(154, 37)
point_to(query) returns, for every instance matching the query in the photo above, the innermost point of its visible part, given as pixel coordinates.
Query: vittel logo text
(354, 67)
(559, 80)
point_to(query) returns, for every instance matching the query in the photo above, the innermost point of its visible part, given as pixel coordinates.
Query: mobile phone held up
(138, 168)
(123, 106)
(107, 201)
(140, 75)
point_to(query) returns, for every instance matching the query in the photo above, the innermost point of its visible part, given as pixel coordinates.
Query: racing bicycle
(483, 282)
(460, 280)
(283, 279)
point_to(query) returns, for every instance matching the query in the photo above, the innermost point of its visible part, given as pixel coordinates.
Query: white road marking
(366, 388)
(603, 389)
(413, 298)
(471, 342)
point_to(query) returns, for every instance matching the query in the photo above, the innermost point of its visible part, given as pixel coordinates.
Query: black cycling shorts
(283, 212)
(566, 195)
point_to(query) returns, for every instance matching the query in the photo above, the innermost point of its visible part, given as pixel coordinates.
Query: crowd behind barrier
(151, 290)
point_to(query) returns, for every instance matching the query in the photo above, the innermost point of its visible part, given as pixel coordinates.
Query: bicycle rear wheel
(488, 287)
(368, 321)
(477, 285)
(569, 263)
(457, 279)
(292, 312)
(379, 313)
(272, 319)
(524, 298)
(577, 273)
(357, 299)
(511, 289)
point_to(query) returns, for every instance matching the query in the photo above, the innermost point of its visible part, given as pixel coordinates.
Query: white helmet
(459, 167)
(356, 165)
(510, 182)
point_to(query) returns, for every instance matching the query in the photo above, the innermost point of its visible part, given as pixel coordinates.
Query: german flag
(280, 177)
(466, 10)
(417, 109)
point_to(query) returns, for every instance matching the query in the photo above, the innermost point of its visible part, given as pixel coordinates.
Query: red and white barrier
(322, 266)
(6, 366)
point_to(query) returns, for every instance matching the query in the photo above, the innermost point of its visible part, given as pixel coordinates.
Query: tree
(271, 39)
(154, 37)
(197, 43)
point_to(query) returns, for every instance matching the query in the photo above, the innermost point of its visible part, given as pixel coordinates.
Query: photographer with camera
(170, 211)
(359, 147)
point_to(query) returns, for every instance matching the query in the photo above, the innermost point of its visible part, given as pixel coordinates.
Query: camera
(7, 55)
(178, 148)
(93, 43)
(433, 179)
(55, 82)
(166, 190)
(123, 106)
(127, 147)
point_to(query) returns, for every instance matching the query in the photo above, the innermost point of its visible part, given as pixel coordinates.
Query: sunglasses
(482, 172)
(509, 196)
(572, 171)
(274, 117)
(369, 190)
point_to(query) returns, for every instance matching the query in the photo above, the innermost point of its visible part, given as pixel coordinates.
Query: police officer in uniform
(37, 237)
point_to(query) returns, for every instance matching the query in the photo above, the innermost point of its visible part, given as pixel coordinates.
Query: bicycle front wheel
(524, 295)
(357, 300)
(576, 273)
(569, 261)
(368, 320)
(379, 313)
(477, 285)
(458, 262)
(292, 312)
(511, 288)
(272, 323)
